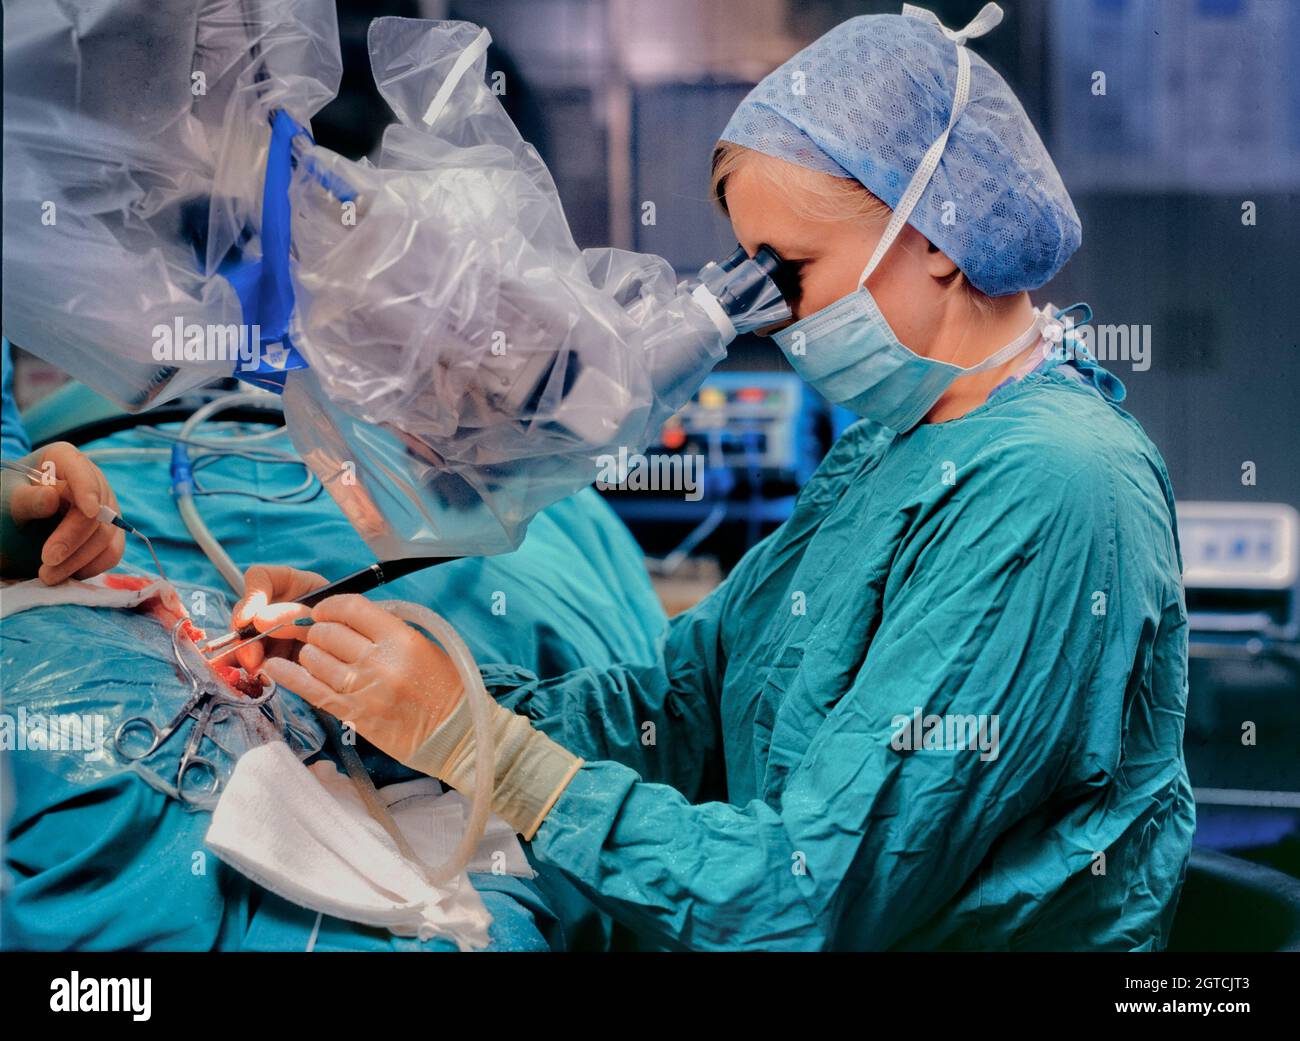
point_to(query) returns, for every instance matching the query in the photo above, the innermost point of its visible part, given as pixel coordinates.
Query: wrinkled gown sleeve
(988, 610)
(659, 719)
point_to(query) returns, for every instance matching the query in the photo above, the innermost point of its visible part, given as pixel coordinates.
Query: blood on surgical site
(167, 609)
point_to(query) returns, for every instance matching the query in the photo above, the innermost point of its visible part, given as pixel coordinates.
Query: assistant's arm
(13, 436)
(658, 718)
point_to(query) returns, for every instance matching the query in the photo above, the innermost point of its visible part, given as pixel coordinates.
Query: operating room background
(1184, 167)
(624, 100)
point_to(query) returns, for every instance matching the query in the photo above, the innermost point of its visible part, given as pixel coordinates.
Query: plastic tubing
(480, 705)
(183, 485)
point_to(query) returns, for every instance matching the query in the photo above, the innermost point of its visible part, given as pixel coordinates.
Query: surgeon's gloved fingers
(342, 641)
(109, 558)
(249, 658)
(358, 613)
(87, 488)
(278, 614)
(399, 686)
(283, 644)
(105, 539)
(71, 534)
(252, 655)
(294, 677)
(265, 584)
(34, 502)
(339, 676)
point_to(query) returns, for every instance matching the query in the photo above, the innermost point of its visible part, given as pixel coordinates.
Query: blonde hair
(817, 197)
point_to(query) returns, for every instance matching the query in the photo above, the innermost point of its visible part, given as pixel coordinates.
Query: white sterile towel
(305, 834)
(433, 821)
(94, 592)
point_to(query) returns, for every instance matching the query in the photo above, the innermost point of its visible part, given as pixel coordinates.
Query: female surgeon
(942, 706)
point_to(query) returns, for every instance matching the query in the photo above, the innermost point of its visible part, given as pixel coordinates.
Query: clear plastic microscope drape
(451, 362)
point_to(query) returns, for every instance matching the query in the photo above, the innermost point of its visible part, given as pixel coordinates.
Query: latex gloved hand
(79, 545)
(269, 594)
(372, 671)
(402, 692)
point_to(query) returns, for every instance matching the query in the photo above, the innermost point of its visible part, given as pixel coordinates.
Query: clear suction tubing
(480, 806)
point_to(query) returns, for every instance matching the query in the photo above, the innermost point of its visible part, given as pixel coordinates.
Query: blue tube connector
(182, 471)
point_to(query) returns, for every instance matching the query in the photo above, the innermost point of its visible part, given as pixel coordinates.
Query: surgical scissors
(204, 697)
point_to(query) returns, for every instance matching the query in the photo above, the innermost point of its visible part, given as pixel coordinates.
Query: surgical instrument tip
(221, 642)
(367, 578)
(108, 515)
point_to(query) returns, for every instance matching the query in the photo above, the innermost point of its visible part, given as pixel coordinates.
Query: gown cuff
(530, 769)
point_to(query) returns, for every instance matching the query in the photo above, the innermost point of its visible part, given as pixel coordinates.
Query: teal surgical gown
(759, 785)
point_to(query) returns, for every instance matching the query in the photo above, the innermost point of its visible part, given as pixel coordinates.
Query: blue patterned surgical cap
(868, 99)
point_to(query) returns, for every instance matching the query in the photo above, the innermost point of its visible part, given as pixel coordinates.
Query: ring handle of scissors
(197, 762)
(159, 736)
(190, 760)
(136, 723)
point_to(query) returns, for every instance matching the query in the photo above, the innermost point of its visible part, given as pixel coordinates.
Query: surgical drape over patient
(451, 362)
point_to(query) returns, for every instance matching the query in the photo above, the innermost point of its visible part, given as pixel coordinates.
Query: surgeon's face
(826, 257)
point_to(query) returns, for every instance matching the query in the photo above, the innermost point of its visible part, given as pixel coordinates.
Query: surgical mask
(848, 352)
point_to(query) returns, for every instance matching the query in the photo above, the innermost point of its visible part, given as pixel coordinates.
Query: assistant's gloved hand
(402, 692)
(373, 671)
(77, 546)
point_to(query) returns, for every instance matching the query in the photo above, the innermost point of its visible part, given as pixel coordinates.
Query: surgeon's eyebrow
(800, 244)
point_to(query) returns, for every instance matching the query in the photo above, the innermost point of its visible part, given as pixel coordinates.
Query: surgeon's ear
(937, 264)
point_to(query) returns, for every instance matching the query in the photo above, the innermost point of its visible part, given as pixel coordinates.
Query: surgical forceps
(205, 696)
